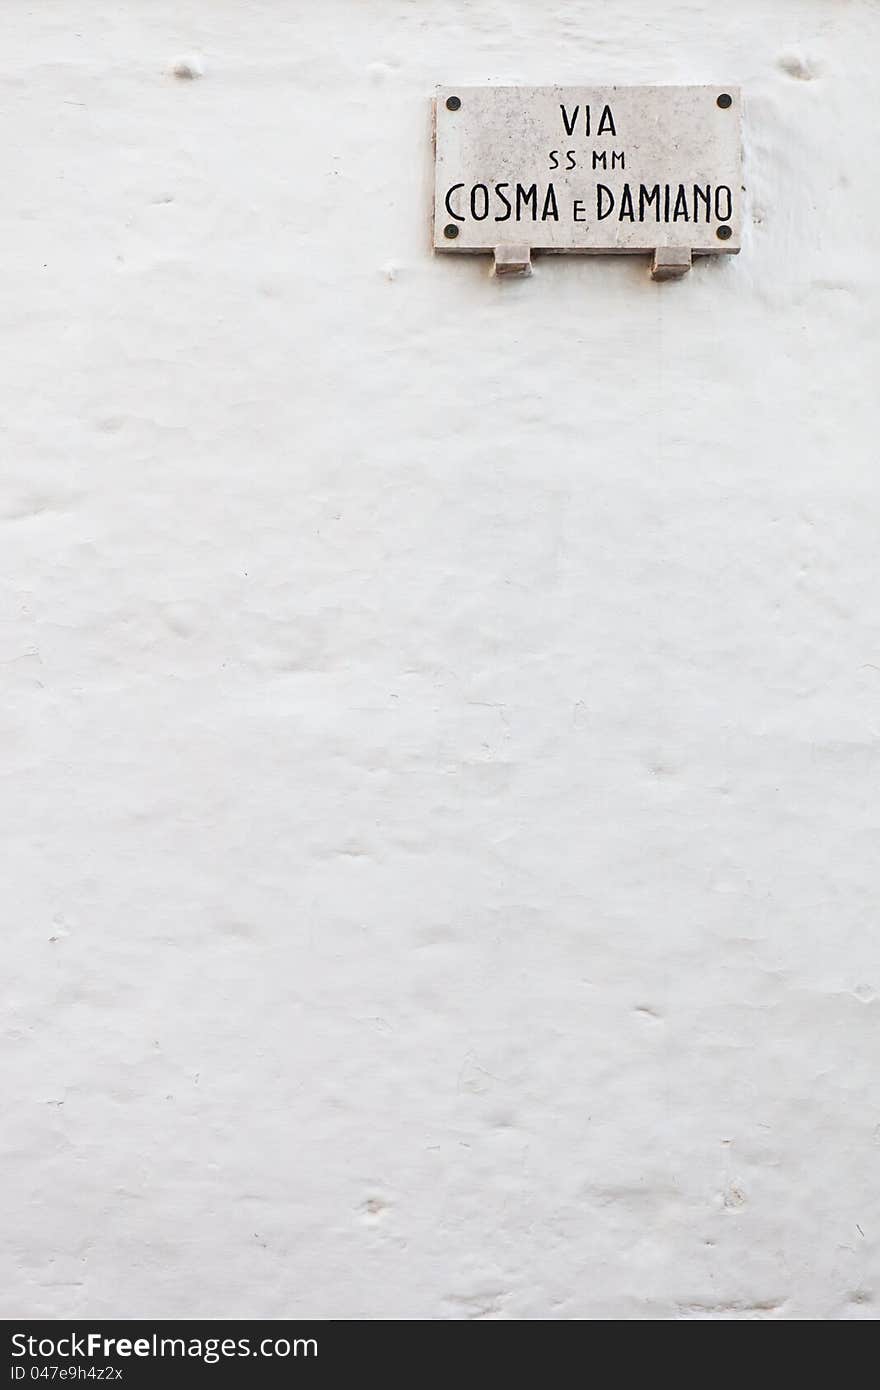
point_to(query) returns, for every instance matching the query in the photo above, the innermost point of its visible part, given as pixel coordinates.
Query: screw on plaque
(724, 233)
(453, 103)
(450, 231)
(724, 101)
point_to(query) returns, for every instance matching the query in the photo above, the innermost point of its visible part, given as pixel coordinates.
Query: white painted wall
(441, 718)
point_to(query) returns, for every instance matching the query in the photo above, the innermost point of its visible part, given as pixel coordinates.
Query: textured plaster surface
(440, 717)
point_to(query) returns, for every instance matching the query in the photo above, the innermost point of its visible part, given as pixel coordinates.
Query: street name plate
(601, 169)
